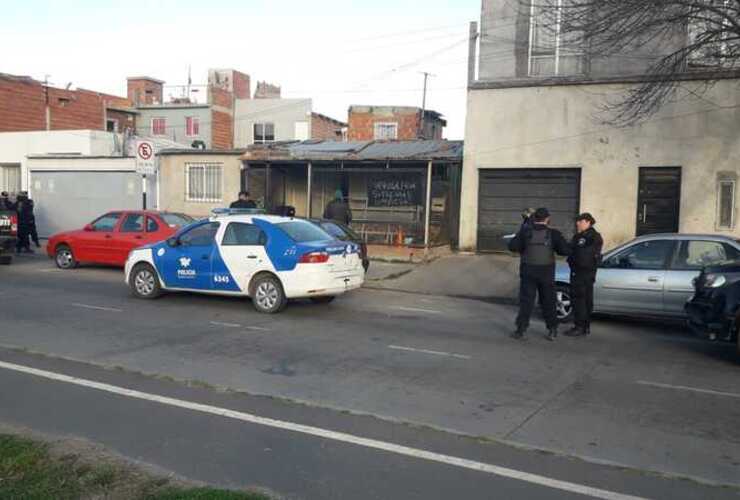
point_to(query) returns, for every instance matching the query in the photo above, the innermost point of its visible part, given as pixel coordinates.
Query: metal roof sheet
(421, 150)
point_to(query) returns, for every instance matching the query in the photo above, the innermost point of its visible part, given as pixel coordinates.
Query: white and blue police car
(245, 253)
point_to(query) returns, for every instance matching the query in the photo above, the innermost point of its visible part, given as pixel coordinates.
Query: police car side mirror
(173, 242)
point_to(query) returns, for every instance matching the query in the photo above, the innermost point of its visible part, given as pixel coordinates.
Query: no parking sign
(145, 162)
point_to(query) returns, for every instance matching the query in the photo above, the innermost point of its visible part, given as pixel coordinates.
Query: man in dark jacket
(538, 243)
(5, 203)
(338, 210)
(244, 202)
(26, 223)
(584, 263)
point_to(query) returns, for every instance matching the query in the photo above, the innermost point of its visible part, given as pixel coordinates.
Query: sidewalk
(487, 277)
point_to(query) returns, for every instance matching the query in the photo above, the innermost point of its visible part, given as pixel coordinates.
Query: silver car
(651, 275)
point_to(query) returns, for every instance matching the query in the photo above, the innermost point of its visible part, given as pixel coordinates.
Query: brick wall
(22, 104)
(220, 97)
(242, 85)
(124, 120)
(323, 127)
(362, 125)
(222, 130)
(144, 91)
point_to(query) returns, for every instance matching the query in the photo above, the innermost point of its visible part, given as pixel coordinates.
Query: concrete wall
(284, 113)
(16, 146)
(172, 191)
(175, 120)
(553, 127)
(504, 46)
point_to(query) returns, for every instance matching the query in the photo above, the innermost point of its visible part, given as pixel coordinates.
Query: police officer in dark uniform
(538, 243)
(584, 263)
(244, 202)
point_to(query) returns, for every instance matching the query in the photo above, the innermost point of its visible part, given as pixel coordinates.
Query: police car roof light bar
(238, 211)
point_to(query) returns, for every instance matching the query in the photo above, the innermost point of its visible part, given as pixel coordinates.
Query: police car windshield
(303, 232)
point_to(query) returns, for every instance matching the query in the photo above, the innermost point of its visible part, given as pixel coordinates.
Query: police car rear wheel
(64, 258)
(268, 295)
(144, 282)
(564, 304)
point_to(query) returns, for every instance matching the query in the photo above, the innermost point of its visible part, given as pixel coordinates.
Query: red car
(109, 239)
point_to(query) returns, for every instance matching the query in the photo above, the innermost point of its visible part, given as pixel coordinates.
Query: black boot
(552, 334)
(576, 331)
(519, 334)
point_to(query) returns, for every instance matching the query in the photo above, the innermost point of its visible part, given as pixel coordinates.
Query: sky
(337, 52)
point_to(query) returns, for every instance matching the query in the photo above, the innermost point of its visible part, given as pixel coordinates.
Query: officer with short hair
(538, 243)
(584, 264)
(244, 202)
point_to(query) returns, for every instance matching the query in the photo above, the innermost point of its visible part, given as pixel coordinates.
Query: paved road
(649, 397)
(234, 440)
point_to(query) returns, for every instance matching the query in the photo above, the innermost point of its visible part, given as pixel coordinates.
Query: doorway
(658, 200)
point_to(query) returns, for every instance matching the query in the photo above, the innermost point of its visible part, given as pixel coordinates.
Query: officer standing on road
(26, 222)
(244, 202)
(538, 243)
(584, 263)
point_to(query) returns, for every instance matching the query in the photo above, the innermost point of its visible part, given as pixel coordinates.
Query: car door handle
(654, 279)
(108, 236)
(204, 257)
(138, 237)
(251, 256)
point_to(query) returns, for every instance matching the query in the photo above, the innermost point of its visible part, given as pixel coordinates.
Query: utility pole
(424, 104)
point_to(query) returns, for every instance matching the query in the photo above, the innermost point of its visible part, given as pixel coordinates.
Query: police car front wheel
(144, 282)
(268, 296)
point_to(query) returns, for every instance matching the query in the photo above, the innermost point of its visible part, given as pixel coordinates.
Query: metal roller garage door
(505, 193)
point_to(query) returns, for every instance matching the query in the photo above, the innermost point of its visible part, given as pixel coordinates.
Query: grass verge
(34, 470)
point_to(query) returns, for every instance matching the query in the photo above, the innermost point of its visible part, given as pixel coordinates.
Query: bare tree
(685, 36)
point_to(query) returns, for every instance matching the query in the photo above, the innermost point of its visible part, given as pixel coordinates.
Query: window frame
(118, 215)
(192, 126)
(262, 239)
(378, 125)
(126, 217)
(219, 193)
(264, 139)
(214, 224)
(156, 223)
(558, 51)
(667, 261)
(154, 130)
(677, 253)
(733, 201)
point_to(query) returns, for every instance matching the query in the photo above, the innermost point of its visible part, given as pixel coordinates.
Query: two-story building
(394, 123)
(534, 138)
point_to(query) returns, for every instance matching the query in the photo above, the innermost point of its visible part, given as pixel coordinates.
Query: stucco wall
(175, 121)
(172, 191)
(554, 127)
(284, 113)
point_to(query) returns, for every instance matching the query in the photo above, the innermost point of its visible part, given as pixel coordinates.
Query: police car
(245, 253)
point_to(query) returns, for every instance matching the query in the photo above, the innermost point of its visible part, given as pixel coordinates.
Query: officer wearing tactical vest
(538, 243)
(584, 263)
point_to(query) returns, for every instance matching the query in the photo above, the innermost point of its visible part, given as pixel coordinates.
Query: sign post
(145, 165)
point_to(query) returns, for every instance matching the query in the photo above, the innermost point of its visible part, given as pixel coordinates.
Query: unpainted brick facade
(362, 120)
(145, 90)
(328, 129)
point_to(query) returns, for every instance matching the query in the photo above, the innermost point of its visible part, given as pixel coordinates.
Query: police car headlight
(715, 281)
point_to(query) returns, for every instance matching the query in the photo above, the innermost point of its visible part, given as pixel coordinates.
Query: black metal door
(658, 200)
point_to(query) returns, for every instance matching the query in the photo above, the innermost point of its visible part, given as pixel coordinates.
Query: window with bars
(10, 178)
(386, 131)
(264, 132)
(553, 52)
(192, 126)
(159, 126)
(726, 205)
(204, 182)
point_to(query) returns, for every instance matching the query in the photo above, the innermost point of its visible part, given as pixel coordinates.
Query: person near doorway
(5, 203)
(537, 243)
(584, 264)
(244, 201)
(338, 210)
(26, 223)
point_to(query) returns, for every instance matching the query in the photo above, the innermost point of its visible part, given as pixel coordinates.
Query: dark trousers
(582, 292)
(24, 234)
(537, 280)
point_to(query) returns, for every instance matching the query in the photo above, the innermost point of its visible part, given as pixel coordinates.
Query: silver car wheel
(564, 305)
(145, 283)
(65, 260)
(267, 295)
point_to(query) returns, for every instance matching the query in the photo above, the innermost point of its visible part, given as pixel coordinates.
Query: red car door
(130, 235)
(94, 243)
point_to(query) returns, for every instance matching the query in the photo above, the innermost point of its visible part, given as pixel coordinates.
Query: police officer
(5, 203)
(584, 263)
(538, 243)
(244, 202)
(26, 222)
(338, 209)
